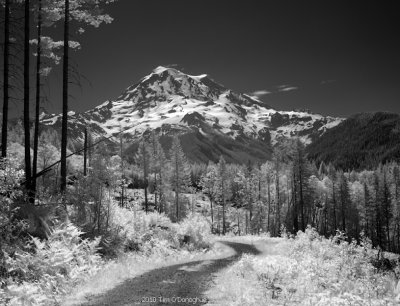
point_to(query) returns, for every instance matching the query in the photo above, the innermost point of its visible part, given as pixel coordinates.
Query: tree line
(290, 192)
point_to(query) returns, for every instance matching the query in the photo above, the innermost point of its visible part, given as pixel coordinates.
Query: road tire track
(182, 284)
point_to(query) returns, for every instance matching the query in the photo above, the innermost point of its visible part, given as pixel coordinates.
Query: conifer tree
(238, 189)
(222, 182)
(386, 205)
(344, 199)
(300, 179)
(378, 208)
(208, 183)
(180, 178)
(332, 177)
(369, 212)
(143, 160)
(267, 170)
(159, 165)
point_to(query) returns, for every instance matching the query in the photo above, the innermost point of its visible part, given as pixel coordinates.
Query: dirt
(182, 284)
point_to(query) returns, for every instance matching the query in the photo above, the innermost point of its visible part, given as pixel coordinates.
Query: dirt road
(182, 284)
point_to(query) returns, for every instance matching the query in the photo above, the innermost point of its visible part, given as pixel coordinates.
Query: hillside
(362, 141)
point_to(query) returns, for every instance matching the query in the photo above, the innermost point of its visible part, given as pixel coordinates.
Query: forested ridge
(362, 141)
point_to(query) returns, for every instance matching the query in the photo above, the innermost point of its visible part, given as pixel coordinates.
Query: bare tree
(64, 124)
(26, 101)
(5, 78)
(37, 105)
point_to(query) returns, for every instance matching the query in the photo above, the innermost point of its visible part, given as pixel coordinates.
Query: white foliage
(56, 264)
(49, 47)
(307, 270)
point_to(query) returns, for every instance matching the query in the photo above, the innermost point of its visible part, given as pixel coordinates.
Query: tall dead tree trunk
(146, 181)
(37, 106)
(269, 204)
(177, 189)
(223, 209)
(85, 149)
(334, 206)
(64, 125)
(212, 214)
(5, 78)
(303, 223)
(278, 201)
(26, 104)
(122, 171)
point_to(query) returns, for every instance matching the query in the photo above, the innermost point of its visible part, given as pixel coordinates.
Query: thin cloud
(260, 93)
(286, 88)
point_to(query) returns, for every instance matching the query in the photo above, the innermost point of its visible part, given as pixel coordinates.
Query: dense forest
(362, 141)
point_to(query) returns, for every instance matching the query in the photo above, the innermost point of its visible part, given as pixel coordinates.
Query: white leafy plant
(56, 265)
(308, 270)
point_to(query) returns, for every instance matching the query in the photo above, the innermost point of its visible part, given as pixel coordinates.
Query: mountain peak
(161, 69)
(171, 101)
(177, 73)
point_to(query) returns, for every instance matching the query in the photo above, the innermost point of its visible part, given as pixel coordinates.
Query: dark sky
(338, 57)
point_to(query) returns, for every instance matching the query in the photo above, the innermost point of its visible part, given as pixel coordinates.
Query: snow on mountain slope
(169, 100)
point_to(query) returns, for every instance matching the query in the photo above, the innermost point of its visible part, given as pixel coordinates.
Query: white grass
(307, 270)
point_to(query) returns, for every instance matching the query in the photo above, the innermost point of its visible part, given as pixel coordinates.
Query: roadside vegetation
(309, 269)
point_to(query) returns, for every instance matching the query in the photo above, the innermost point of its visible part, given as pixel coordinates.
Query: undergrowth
(308, 270)
(42, 276)
(44, 272)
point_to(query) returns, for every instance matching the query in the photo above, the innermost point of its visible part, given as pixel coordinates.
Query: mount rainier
(210, 119)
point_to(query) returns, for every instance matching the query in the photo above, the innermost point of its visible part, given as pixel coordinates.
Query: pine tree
(300, 175)
(208, 183)
(385, 200)
(344, 199)
(238, 190)
(222, 182)
(180, 178)
(332, 177)
(143, 160)
(378, 209)
(158, 167)
(267, 170)
(322, 170)
(369, 212)
(396, 181)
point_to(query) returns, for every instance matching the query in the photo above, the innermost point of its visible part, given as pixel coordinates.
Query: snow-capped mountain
(211, 119)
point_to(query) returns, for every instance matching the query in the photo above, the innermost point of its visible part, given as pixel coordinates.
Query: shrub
(141, 231)
(56, 264)
(11, 228)
(196, 228)
(309, 270)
